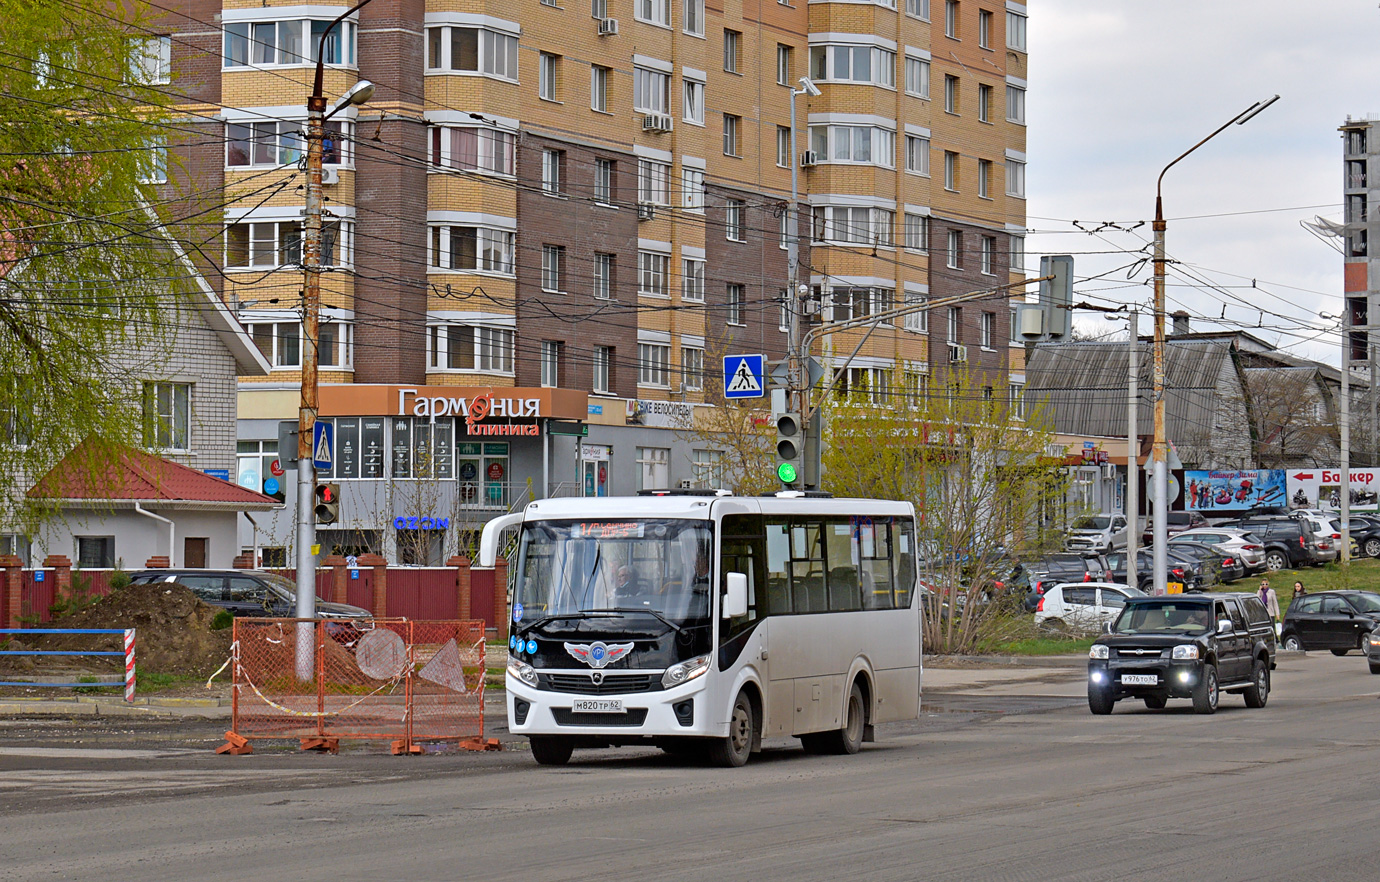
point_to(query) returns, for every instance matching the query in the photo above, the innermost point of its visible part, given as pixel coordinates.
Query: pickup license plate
(598, 706)
(1140, 680)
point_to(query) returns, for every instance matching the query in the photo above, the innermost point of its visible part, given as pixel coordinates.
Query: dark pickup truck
(1193, 646)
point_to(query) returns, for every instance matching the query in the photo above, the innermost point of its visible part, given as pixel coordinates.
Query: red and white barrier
(129, 664)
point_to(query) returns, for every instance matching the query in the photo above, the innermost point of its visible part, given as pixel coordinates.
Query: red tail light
(1302, 544)
(1040, 607)
(1336, 535)
(1087, 577)
(1229, 562)
(1252, 547)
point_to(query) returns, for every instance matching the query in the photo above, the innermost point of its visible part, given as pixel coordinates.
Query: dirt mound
(172, 632)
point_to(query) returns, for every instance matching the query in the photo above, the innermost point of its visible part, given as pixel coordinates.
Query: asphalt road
(1006, 776)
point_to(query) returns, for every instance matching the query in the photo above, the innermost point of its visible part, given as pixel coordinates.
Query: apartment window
(692, 188)
(153, 165)
(951, 18)
(954, 324)
(735, 304)
(854, 225)
(1015, 178)
(335, 344)
(783, 299)
(1015, 31)
(917, 155)
(692, 279)
(551, 162)
(1015, 336)
(653, 364)
(651, 91)
(471, 348)
(853, 64)
(653, 182)
(783, 146)
(653, 468)
(692, 368)
(280, 342)
(862, 144)
(950, 170)
(733, 219)
(552, 256)
(988, 254)
(732, 127)
(708, 469)
(153, 60)
(785, 230)
(603, 358)
(953, 257)
(167, 416)
(473, 50)
(472, 249)
(263, 244)
(987, 327)
(95, 552)
(603, 276)
(548, 67)
(918, 321)
(1016, 400)
(985, 29)
(984, 103)
(296, 41)
(603, 181)
(918, 77)
(1016, 250)
(1015, 104)
(783, 64)
(272, 144)
(918, 8)
(733, 49)
(950, 94)
(654, 274)
(657, 12)
(550, 362)
(599, 8)
(599, 88)
(693, 111)
(917, 232)
(984, 177)
(693, 19)
(471, 148)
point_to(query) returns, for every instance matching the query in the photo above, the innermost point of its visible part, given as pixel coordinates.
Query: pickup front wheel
(1100, 700)
(1205, 694)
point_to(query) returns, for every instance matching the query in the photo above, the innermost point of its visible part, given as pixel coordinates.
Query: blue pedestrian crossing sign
(323, 444)
(743, 376)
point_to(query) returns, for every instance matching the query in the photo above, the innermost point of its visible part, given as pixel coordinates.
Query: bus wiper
(649, 612)
(556, 616)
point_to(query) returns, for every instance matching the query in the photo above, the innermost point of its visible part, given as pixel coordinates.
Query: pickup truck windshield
(1155, 616)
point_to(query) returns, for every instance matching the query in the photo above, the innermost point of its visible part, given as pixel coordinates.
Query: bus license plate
(1140, 680)
(598, 706)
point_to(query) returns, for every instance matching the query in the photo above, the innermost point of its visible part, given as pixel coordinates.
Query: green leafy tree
(977, 472)
(85, 271)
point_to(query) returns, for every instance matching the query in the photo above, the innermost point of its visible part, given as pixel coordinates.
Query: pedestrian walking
(1299, 590)
(1270, 600)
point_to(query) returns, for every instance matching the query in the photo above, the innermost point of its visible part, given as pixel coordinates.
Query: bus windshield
(659, 567)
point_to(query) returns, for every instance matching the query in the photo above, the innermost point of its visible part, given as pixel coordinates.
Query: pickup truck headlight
(522, 670)
(1188, 651)
(1373, 639)
(685, 671)
(1099, 650)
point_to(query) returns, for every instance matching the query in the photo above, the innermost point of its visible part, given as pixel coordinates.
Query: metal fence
(403, 680)
(127, 679)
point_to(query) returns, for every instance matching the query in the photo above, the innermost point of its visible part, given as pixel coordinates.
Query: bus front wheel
(734, 750)
(551, 750)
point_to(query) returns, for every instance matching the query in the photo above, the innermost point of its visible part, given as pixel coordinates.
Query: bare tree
(1291, 418)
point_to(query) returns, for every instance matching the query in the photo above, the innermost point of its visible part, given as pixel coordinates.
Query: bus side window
(905, 562)
(845, 586)
(807, 568)
(778, 575)
(876, 564)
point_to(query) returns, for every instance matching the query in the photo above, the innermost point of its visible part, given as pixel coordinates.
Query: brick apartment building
(580, 207)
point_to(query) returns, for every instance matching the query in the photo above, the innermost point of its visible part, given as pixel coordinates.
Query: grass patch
(1043, 646)
(1361, 574)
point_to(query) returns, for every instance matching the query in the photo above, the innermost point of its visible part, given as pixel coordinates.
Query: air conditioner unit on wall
(656, 122)
(608, 27)
(958, 354)
(809, 158)
(1109, 471)
(645, 211)
(330, 175)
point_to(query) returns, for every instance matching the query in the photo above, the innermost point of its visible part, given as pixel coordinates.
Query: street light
(311, 317)
(1159, 456)
(795, 397)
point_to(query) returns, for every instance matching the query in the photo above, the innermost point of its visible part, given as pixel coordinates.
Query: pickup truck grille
(1146, 652)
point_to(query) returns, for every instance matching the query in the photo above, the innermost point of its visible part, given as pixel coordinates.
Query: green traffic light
(786, 472)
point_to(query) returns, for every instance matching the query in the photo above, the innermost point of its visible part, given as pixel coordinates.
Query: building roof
(1084, 386)
(133, 476)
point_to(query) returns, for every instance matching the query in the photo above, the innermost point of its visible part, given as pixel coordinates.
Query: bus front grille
(564, 716)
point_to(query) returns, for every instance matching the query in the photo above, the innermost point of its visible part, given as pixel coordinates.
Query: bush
(119, 579)
(224, 619)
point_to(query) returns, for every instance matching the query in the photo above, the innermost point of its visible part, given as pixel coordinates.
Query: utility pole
(795, 360)
(1133, 453)
(1344, 426)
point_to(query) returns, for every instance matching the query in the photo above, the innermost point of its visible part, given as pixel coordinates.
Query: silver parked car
(1099, 533)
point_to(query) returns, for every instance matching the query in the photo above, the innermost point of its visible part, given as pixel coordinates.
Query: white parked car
(1241, 544)
(1099, 533)
(1329, 539)
(1082, 607)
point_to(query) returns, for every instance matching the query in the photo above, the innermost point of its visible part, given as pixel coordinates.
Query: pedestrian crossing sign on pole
(323, 444)
(743, 376)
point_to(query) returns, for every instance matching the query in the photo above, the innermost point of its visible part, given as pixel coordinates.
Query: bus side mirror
(735, 600)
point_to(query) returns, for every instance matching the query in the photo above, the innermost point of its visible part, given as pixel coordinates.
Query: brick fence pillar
(11, 584)
(463, 604)
(158, 562)
(61, 566)
(500, 610)
(244, 561)
(379, 602)
(338, 576)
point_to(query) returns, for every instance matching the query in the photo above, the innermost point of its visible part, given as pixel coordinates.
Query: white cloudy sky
(1118, 88)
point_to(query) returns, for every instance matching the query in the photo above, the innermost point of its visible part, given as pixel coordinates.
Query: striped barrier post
(129, 664)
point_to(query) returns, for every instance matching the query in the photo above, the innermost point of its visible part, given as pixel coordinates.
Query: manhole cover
(381, 654)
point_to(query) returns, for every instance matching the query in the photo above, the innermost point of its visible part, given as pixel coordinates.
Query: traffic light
(327, 503)
(790, 443)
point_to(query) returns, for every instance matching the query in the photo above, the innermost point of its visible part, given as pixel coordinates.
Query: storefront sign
(1322, 488)
(1233, 490)
(416, 523)
(276, 467)
(665, 414)
(595, 452)
(495, 472)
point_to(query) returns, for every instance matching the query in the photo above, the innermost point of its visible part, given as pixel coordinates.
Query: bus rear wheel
(733, 751)
(551, 750)
(846, 740)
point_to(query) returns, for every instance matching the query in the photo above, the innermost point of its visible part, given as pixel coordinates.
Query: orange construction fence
(364, 678)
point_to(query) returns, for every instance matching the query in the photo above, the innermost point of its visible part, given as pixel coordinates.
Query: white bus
(811, 629)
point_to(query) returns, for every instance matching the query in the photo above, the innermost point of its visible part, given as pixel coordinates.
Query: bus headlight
(522, 670)
(685, 671)
(1098, 650)
(1188, 651)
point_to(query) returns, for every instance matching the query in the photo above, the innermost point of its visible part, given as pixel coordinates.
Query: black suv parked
(1288, 542)
(1184, 646)
(1336, 620)
(248, 592)
(1183, 568)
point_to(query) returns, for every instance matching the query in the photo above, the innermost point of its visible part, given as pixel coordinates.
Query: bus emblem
(598, 654)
